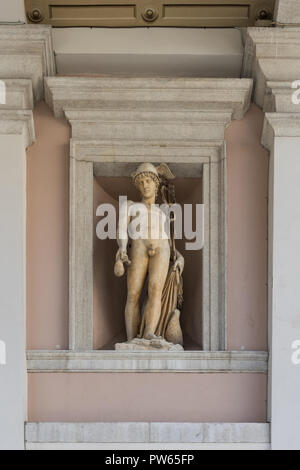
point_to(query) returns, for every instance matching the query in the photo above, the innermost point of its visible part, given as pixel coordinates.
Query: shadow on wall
(110, 291)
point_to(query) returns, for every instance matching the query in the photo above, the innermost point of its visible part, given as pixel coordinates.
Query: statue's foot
(151, 336)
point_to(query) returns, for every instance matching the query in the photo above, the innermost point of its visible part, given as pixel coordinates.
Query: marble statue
(153, 259)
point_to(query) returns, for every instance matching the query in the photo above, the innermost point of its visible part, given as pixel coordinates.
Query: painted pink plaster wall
(147, 397)
(247, 244)
(48, 232)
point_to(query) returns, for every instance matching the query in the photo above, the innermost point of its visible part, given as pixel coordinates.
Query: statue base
(141, 344)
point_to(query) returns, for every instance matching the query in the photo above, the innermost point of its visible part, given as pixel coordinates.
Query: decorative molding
(280, 125)
(272, 55)
(129, 151)
(156, 94)
(278, 98)
(182, 126)
(26, 51)
(143, 432)
(16, 116)
(139, 361)
(18, 122)
(19, 94)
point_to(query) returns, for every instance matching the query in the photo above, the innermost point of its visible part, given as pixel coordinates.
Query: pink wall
(247, 218)
(147, 397)
(48, 232)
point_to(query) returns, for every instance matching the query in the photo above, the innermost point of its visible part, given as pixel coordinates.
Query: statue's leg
(136, 276)
(158, 270)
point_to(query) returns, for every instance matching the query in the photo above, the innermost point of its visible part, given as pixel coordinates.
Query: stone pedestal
(141, 344)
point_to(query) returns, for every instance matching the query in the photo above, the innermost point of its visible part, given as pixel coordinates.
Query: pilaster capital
(16, 106)
(26, 51)
(18, 122)
(272, 59)
(280, 125)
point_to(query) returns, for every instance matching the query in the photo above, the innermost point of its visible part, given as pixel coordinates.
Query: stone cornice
(148, 109)
(272, 59)
(18, 122)
(100, 151)
(149, 94)
(16, 116)
(19, 94)
(114, 361)
(280, 125)
(278, 97)
(26, 51)
(272, 56)
(148, 125)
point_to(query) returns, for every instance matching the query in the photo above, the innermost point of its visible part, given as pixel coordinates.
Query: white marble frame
(83, 156)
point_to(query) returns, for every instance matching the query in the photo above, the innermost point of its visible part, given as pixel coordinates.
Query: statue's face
(147, 186)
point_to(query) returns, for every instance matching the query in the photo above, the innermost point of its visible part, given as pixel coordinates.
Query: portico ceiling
(185, 52)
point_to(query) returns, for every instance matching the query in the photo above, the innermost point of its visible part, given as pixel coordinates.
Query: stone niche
(110, 181)
(98, 298)
(117, 123)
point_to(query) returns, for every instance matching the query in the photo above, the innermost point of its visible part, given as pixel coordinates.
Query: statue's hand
(122, 256)
(179, 263)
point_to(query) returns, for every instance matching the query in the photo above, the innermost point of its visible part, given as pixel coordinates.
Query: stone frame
(147, 119)
(83, 157)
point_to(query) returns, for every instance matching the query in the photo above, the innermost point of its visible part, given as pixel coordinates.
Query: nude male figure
(148, 255)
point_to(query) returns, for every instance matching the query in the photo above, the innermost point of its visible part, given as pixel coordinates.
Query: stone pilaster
(16, 134)
(26, 51)
(272, 58)
(25, 58)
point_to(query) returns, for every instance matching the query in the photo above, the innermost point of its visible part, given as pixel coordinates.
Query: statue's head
(146, 179)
